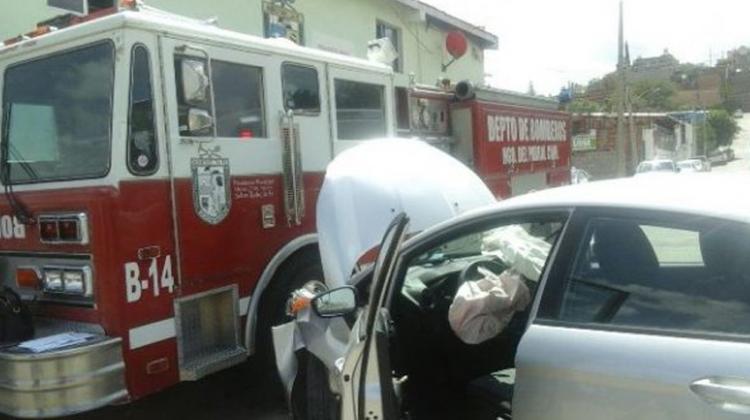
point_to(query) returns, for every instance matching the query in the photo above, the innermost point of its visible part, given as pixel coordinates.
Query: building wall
(343, 26)
(657, 137)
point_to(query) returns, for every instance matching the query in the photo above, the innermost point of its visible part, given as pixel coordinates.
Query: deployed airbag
(483, 308)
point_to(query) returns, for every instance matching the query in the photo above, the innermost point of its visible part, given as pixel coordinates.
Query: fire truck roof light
(49, 230)
(69, 231)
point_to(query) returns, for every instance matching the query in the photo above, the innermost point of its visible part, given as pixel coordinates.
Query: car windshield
(57, 115)
(664, 166)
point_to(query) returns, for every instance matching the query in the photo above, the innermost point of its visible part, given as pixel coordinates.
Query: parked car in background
(689, 165)
(728, 153)
(738, 114)
(721, 155)
(657, 165)
(631, 302)
(579, 176)
(705, 163)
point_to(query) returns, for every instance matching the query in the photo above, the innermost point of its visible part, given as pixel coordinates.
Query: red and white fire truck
(160, 176)
(515, 142)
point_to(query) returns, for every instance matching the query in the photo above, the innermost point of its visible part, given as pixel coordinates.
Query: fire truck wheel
(312, 398)
(292, 275)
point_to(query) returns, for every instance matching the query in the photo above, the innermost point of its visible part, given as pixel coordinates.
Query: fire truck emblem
(211, 196)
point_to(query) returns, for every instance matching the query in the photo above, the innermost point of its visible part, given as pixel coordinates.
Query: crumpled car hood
(367, 185)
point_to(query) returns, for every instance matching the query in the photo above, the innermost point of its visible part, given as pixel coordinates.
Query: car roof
(658, 161)
(704, 194)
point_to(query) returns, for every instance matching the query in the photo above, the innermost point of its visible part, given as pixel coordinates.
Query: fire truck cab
(160, 176)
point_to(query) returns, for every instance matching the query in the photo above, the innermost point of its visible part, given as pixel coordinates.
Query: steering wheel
(471, 271)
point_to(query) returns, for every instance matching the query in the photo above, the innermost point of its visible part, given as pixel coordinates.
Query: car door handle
(729, 394)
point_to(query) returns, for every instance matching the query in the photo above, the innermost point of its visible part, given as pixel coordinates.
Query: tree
(584, 106)
(724, 127)
(652, 95)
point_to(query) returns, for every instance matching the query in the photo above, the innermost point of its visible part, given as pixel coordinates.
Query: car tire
(312, 398)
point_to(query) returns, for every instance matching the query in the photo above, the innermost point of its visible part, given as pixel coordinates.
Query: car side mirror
(199, 121)
(195, 83)
(336, 302)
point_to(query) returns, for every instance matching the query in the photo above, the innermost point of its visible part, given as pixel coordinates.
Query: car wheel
(312, 398)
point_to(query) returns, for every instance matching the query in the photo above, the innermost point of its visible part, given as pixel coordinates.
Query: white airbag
(482, 308)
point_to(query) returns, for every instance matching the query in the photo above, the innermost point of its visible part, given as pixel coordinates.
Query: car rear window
(644, 274)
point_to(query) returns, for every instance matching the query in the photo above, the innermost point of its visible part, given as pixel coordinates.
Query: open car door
(369, 392)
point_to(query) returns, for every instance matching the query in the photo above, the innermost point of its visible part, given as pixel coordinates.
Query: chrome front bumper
(62, 382)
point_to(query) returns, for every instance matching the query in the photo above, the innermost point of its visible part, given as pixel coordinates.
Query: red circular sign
(456, 44)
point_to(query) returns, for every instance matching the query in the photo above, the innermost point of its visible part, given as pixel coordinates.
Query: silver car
(639, 309)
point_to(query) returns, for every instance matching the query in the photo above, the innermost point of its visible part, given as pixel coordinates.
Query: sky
(553, 42)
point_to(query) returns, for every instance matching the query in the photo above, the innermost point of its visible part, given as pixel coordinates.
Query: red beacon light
(246, 133)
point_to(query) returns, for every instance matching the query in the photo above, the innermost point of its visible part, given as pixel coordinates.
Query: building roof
(485, 38)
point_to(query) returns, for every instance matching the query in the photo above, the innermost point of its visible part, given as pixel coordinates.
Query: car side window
(690, 277)
(517, 249)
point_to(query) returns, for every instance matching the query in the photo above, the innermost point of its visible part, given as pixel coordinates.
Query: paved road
(243, 392)
(741, 146)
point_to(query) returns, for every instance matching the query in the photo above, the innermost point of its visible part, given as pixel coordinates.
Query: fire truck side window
(58, 114)
(239, 100)
(238, 97)
(142, 151)
(360, 110)
(301, 89)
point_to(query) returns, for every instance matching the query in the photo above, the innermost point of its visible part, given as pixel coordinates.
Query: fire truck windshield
(59, 114)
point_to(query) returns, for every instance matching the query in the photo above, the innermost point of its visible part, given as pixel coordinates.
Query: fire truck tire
(301, 268)
(312, 398)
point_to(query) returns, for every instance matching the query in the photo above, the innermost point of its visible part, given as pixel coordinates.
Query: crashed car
(637, 307)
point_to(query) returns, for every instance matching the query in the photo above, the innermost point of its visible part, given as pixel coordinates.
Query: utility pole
(621, 83)
(634, 157)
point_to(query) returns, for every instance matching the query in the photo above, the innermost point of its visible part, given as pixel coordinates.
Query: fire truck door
(361, 106)
(224, 155)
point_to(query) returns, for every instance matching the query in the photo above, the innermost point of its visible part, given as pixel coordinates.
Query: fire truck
(160, 176)
(515, 142)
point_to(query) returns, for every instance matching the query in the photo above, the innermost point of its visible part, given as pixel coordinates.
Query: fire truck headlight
(53, 281)
(74, 282)
(68, 280)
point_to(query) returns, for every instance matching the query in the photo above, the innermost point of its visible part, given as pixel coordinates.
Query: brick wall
(602, 162)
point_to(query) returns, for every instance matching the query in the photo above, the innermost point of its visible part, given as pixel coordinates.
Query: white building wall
(344, 26)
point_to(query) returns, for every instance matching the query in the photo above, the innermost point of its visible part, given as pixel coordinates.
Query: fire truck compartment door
(523, 183)
(361, 106)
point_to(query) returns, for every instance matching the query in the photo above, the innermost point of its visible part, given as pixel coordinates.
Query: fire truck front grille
(208, 333)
